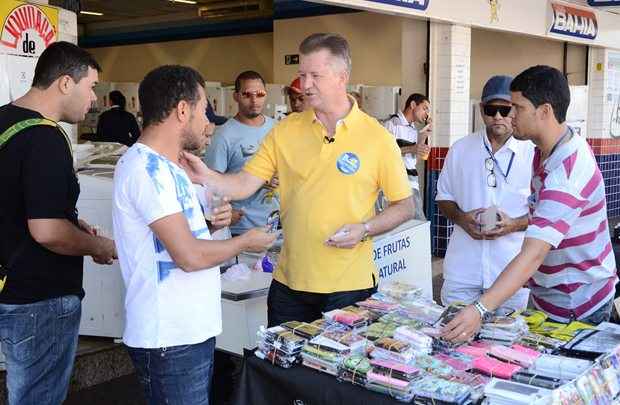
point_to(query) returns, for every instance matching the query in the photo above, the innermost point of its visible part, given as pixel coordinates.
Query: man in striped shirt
(566, 257)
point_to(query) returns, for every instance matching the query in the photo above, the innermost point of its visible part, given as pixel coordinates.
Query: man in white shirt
(169, 264)
(488, 168)
(402, 126)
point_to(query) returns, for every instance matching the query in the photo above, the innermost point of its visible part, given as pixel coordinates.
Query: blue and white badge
(531, 201)
(348, 163)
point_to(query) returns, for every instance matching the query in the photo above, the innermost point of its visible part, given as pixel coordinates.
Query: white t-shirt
(164, 305)
(402, 129)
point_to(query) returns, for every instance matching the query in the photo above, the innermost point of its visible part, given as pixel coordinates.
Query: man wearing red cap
(295, 96)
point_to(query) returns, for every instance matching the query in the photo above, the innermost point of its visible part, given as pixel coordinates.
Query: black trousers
(285, 304)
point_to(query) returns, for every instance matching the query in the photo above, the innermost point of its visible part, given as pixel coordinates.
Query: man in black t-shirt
(43, 241)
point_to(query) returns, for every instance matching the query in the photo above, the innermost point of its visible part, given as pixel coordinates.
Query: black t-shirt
(38, 181)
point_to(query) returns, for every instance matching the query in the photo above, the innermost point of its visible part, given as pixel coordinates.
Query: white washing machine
(103, 312)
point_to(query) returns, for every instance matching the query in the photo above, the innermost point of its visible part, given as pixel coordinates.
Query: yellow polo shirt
(324, 186)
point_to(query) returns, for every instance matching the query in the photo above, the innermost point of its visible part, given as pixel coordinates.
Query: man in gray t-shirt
(236, 141)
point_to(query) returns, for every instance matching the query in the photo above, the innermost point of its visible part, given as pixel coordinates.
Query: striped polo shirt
(568, 211)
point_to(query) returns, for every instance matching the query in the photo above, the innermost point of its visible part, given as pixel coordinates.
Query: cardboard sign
(573, 22)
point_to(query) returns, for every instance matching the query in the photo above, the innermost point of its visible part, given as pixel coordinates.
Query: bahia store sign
(421, 5)
(604, 3)
(573, 22)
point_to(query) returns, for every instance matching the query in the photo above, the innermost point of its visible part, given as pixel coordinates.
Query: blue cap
(497, 88)
(216, 119)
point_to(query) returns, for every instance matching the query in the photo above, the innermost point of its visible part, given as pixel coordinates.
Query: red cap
(295, 86)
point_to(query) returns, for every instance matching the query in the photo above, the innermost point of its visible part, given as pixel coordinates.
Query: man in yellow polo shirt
(332, 160)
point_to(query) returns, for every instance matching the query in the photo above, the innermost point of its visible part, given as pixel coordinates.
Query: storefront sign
(573, 22)
(414, 4)
(27, 29)
(604, 3)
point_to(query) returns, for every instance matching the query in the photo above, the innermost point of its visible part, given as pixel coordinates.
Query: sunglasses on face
(249, 94)
(492, 110)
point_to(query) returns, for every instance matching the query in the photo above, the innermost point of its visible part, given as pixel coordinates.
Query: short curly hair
(164, 87)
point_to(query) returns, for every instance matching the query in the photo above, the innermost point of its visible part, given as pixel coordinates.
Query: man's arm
(395, 214)
(466, 220)
(192, 254)
(236, 186)
(517, 273)
(64, 238)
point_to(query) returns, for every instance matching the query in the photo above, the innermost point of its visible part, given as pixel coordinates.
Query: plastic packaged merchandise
(419, 342)
(434, 366)
(503, 329)
(279, 346)
(424, 311)
(540, 343)
(346, 318)
(379, 330)
(439, 389)
(502, 392)
(392, 368)
(495, 368)
(392, 349)
(272, 357)
(400, 291)
(401, 319)
(282, 338)
(377, 306)
(354, 370)
(303, 329)
(561, 367)
(527, 377)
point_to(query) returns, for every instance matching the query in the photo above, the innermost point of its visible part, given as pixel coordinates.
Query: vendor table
(403, 254)
(262, 383)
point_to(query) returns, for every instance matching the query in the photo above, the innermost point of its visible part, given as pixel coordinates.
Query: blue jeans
(177, 375)
(39, 341)
(600, 315)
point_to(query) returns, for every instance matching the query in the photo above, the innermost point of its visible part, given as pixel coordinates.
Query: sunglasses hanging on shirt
(492, 110)
(490, 163)
(491, 179)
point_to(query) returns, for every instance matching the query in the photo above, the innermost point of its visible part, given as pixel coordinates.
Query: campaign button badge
(348, 163)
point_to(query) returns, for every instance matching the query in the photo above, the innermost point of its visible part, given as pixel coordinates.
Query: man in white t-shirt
(412, 143)
(168, 260)
(489, 168)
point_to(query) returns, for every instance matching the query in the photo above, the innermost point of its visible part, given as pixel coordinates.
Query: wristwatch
(366, 235)
(482, 310)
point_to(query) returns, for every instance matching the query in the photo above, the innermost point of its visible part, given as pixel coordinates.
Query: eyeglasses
(492, 110)
(491, 179)
(257, 94)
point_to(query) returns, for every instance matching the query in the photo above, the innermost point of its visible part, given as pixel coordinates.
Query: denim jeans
(39, 341)
(600, 315)
(284, 304)
(177, 375)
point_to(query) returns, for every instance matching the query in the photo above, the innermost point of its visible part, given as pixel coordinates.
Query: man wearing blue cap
(483, 189)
